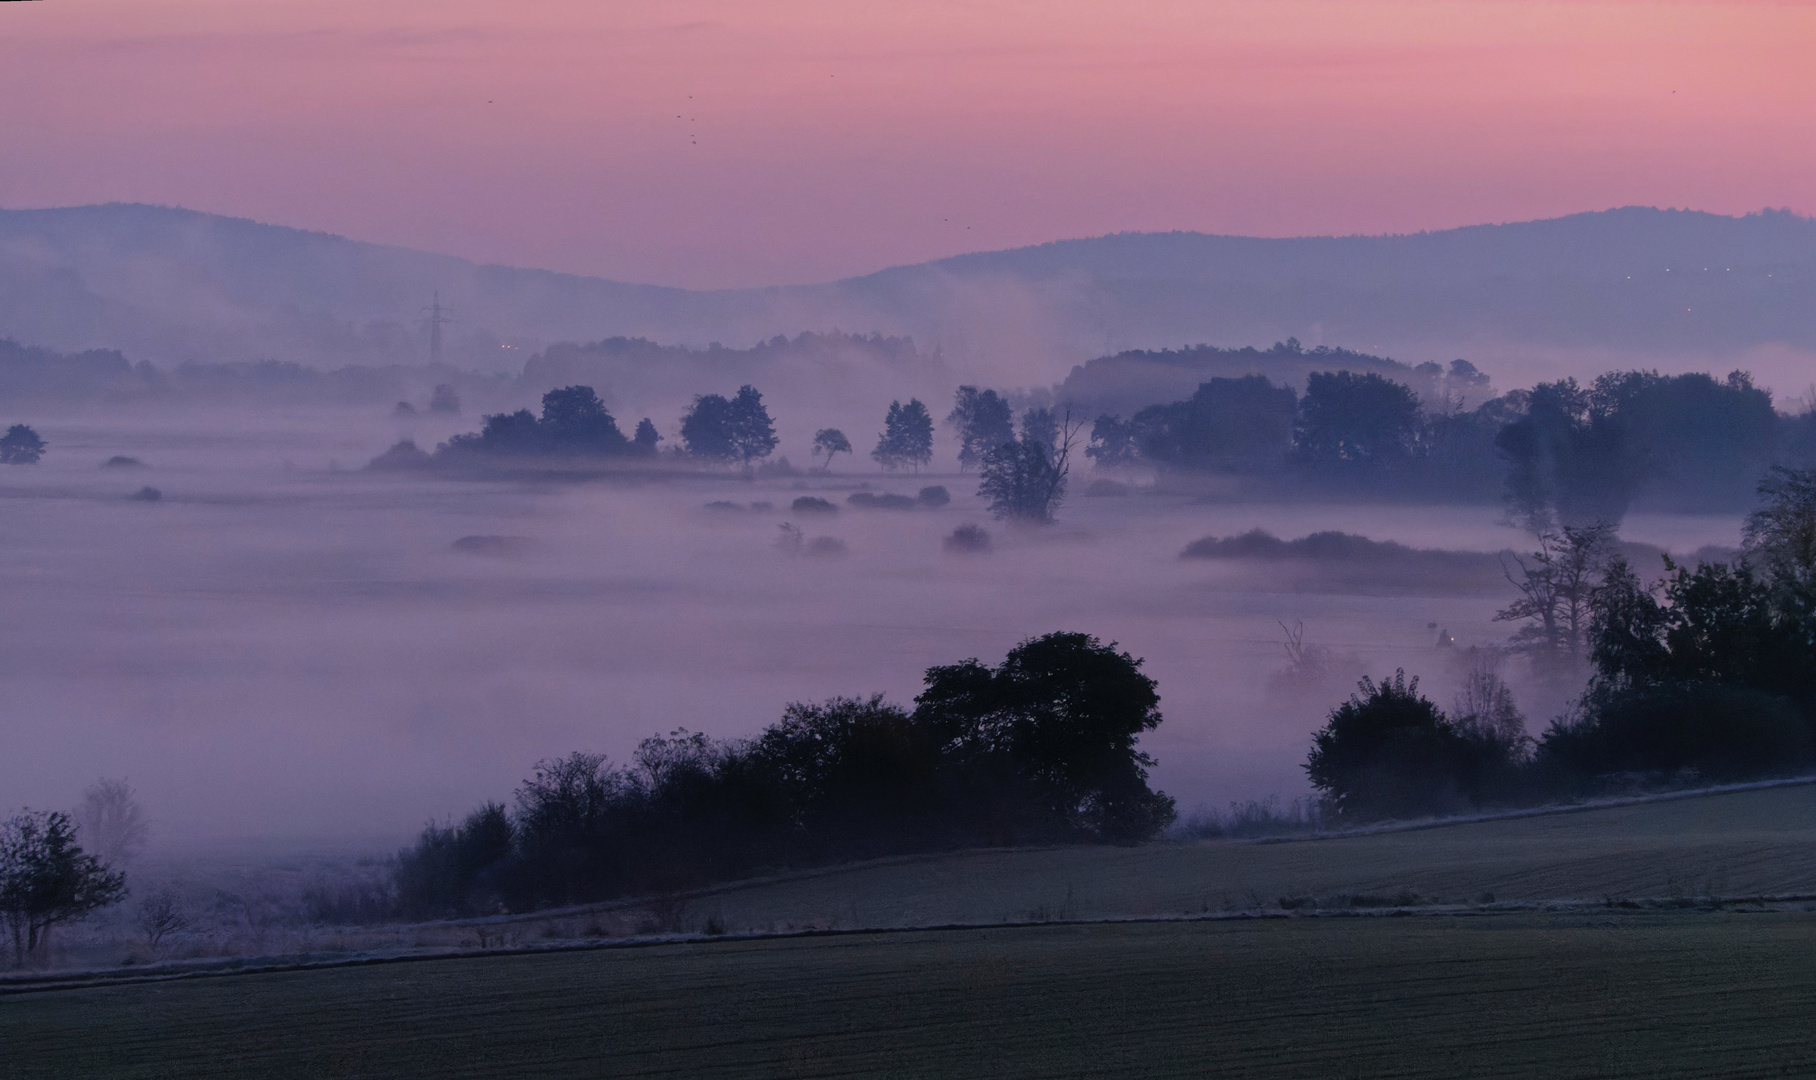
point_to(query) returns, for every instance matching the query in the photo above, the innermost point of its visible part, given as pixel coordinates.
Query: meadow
(1602, 994)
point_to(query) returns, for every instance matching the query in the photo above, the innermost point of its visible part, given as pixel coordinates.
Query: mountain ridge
(169, 283)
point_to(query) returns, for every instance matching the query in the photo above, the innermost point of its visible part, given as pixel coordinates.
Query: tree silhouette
(983, 421)
(830, 441)
(1025, 480)
(907, 438)
(20, 446)
(46, 879)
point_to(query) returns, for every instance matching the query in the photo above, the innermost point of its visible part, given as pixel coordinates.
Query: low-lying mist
(279, 648)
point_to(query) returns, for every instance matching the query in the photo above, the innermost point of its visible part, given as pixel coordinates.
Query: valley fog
(283, 646)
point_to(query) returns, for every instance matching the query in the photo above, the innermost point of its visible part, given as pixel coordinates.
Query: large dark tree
(1063, 713)
(46, 879)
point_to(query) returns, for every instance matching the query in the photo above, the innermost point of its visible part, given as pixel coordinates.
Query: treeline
(1041, 748)
(1707, 674)
(1558, 451)
(32, 374)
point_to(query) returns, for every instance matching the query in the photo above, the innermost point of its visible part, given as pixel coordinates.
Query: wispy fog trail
(295, 652)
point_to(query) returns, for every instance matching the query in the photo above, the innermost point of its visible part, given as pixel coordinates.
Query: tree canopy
(907, 439)
(729, 429)
(46, 879)
(983, 421)
(21, 446)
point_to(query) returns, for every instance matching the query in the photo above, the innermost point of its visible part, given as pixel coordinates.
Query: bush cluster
(1041, 748)
(1708, 674)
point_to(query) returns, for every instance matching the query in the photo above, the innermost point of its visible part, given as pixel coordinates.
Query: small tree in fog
(160, 914)
(644, 442)
(46, 879)
(20, 446)
(827, 442)
(907, 439)
(1485, 706)
(112, 823)
(1025, 480)
(983, 421)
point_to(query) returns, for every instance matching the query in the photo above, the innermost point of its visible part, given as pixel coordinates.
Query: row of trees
(1039, 748)
(1707, 672)
(1559, 453)
(1023, 474)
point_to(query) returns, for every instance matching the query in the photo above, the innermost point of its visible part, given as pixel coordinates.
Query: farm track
(1569, 995)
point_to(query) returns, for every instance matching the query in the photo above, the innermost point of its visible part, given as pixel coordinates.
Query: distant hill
(169, 285)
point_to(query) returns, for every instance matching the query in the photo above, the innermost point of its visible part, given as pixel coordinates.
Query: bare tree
(160, 914)
(1485, 706)
(112, 824)
(1555, 583)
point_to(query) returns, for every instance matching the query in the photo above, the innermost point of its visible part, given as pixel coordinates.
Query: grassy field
(1748, 843)
(1687, 994)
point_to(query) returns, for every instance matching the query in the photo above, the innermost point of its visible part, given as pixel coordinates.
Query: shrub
(934, 496)
(1388, 752)
(968, 540)
(1722, 732)
(813, 504)
(1042, 747)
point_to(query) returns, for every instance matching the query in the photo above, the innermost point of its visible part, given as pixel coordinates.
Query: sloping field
(1628, 995)
(1750, 843)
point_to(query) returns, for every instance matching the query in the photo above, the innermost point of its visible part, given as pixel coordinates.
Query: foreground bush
(1039, 749)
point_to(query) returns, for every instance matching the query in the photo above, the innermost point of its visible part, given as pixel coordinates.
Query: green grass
(1626, 994)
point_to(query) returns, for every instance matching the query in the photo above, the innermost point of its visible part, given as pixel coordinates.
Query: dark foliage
(574, 423)
(907, 439)
(968, 540)
(1241, 425)
(643, 443)
(1361, 420)
(1388, 752)
(1025, 480)
(735, 429)
(1040, 748)
(47, 879)
(20, 446)
(1711, 670)
(812, 504)
(983, 421)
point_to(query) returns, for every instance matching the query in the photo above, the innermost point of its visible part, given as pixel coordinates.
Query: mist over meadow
(283, 646)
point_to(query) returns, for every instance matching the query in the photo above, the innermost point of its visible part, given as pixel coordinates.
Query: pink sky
(706, 143)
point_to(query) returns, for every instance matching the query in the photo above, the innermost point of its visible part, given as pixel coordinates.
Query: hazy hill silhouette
(168, 285)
